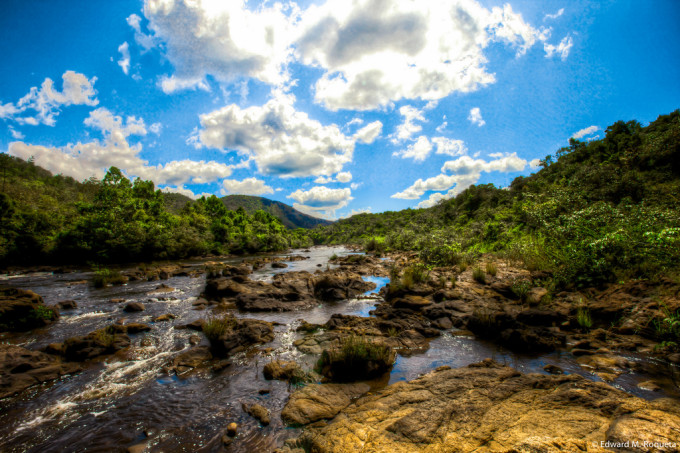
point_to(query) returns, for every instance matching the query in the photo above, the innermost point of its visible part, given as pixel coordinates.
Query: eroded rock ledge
(487, 407)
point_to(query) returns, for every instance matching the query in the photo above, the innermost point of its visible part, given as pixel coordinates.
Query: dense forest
(597, 211)
(289, 216)
(55, 219)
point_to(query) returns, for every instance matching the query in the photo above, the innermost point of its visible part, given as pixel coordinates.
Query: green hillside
(289, 216)
(597, 211)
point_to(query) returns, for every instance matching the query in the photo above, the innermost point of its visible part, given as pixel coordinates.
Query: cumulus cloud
(184, 191)
(561, 50)
(379, 51)
(475, 117)
(344, 176)
(224, 39)
(465, 171)
(249, 186)
(44, 103)
(144, 40)
(368, 133)
(535, 163)
(321, 200)
(590, 130)
(17, 135)
(279, 139)
(418, 150)
(356, 212)
(124, 61)
(408, 128)
(449, 146)
(156, 128)
(84, 160)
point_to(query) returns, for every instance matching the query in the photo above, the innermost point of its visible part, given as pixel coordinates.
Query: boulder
(242, 334)
(320, 401)
(21, 368)
(284, 371)
(257, 411)
(22, 310)
(134, 307)
(95, 344)
(165, 317)
(67, 304)
(192, 358)
(279, 265)
(489, 407)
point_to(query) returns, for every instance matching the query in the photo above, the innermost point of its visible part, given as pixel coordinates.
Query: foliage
(355, 358)
(104, 276)
(598, 211)
(217, 326)
(478, 275)
(520, 287)
(583, 318)
(668, 327)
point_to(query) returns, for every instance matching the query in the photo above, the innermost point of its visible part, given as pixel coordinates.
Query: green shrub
(356, 358)
(520, 287)
(104, 276)
(668, 327)
(333, 257)
(217, 326)
(583, 318)
(478, 275)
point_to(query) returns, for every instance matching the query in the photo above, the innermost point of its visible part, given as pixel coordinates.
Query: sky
(335, 107)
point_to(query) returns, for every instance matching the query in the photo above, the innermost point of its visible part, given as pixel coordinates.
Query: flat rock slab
(487, 407)
(320, 401)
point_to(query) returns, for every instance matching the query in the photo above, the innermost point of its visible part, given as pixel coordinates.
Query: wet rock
(537, 295)
(553, 369)
(356, 359)
(320, 401)
(538, 317)
(257, 411)
(489, 407)
(232, 429)
(193, 358)
(117, 300)
(308, 327)
(279, 265)
(22, 310)
(412, 302)
(650, 386)
(194, 340)
(165, 317)
(98, 343)
(284, 371)
(443, 323)
(21, 368)
(134, 307)
(67, 304)
(241, 334)
(136, 327)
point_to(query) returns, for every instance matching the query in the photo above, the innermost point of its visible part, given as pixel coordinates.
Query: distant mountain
(174, 202)
(289, 216)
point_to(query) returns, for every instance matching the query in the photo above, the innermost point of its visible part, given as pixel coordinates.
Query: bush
(491, 268)
(104, 276)
(216, 327)
(668, 327)
(520, 287)
(583, 318)
(356, 358)
(478, 275)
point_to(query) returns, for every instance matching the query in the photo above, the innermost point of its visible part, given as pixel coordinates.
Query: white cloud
(156, 128)
(418, 150)
(356, 212)
(281, 140)
(83, 160)
(379, 51)
(225, 39)
(408, 128)
(172, 84)
(356, 185)
(249, 186)
(590, 130)
(465, 171)
(535, 163)
(124, 61)
(46, 102)
(17, 135)
(554, 16)
(449, 146)
(368, 133)
(442, 126)
(475, 117)
(141, 38)
(321, 199)
(323, 180)
(184, 191)
(345, 176)
(561, 50)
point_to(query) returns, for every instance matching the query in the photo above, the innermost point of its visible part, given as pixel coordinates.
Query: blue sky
(335, 107)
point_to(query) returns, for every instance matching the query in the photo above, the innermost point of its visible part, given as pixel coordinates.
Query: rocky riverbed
(456, 363)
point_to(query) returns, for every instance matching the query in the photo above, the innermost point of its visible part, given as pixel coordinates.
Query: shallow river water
(127, 398)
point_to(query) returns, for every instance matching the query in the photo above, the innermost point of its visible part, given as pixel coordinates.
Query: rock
(320, 401)
(284, 371)
(95, 344)
(137, 327)
(22, 310)
(165, 317)
(117, 301)
(243, 333)
(412, 302)
(536, 295)
(21, 368)
(194, 340)
(356, 359)
(279, 265)
(553, 369)
(442, 323)
(489, 407)
(232, 428)
(193, 358)
(134, 307)
(538, 317)
(258, 412)
(67, 304)
(674, 358)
